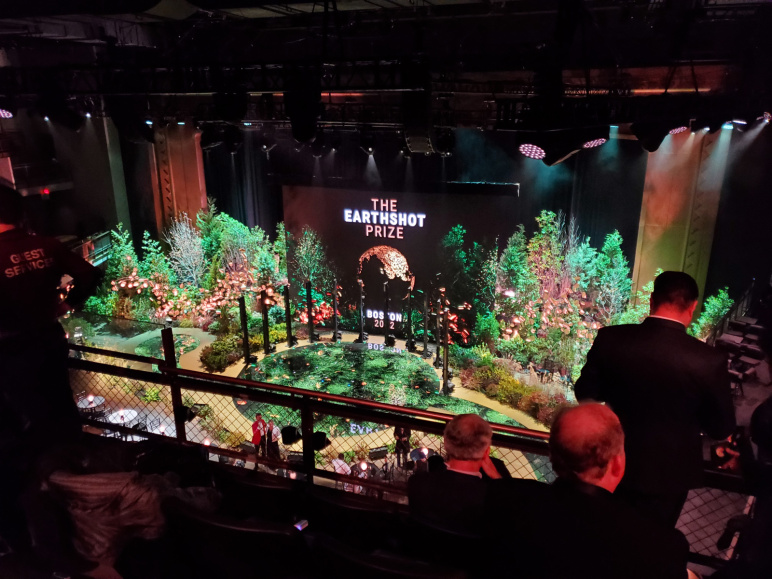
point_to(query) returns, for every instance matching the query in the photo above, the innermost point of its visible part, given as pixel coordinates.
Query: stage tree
(186, 253)
(614, 282)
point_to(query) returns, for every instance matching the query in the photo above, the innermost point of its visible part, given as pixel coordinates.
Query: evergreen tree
(155, 265)
(123, 257)
(308, 260)
(513, 270)
(614, 282)
(545, 254)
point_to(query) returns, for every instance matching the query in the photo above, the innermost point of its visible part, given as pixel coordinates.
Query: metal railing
(315, 428)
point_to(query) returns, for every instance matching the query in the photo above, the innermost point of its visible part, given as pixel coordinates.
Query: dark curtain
(608, 192)
(743, 235)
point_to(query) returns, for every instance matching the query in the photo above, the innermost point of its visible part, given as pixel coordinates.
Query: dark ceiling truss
(350, 76)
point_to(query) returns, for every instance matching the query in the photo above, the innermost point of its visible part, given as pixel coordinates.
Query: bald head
(585, 440)
(467, 437)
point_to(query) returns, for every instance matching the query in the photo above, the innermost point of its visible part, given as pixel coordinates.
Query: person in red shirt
(259, 438)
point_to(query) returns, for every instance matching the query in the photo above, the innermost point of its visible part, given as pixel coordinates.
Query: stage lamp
(335, 141)
(319, 146)
(232, 138)
(766, 117)
(7, 108)
(532, 151)
(267, 141)
(211, 137)
(678, 130)
(367, 142)
(446, 142)
(594, 143)
(55, 107)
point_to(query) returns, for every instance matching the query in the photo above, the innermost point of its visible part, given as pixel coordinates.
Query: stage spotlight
(212, 136)
(54, 106)
(594, 143)
(233, 139)
(46, 119)
(267, 141)
(766, 117)
(319, 146)
(367, 142)
(678, 130)
(149, 123)
(129, 115)
(446, 142)
(532, 151)
(7, 108)
(88, 115)
(335, 141)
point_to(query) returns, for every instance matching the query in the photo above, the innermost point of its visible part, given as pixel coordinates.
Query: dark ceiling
(487, 64)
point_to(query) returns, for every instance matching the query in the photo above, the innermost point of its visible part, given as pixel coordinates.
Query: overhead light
(594, 143)
(650, 134)
(5, 114)
(181, 123)
(767, 117)
(727, 126)
(247, 124)
(678, 130)
(532, 151)
(739, 122)
(46, 118)
(149, 123)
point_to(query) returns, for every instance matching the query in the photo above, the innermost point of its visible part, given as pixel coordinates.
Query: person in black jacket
(37, 409)
(576, 528)
(667, 388)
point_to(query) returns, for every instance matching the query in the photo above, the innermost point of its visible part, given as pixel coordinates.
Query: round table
(86, 404)
(127, 416)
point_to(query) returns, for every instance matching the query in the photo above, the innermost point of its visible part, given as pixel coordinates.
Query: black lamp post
(336, 337)
(426, 352)
(390, 340)
(291, 340)
(410, 342)
(362, 338)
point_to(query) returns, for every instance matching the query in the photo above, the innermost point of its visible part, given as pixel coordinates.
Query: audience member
(576, 528)
(402, 445)
(339, 466)
(453, 498)
(666, 387)
(273, 435)
(37, 409)
(259, 438)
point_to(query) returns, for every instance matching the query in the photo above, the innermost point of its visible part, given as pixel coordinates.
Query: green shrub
(221, 353)
(276, 315)
(152, 394)
(713, 311)
(187, 323)
(487, 329)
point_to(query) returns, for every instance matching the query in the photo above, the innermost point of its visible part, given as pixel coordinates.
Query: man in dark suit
(666, 387)
(452, 499)
(576, 528)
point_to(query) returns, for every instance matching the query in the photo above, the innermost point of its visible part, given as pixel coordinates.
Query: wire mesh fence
(705, 516)
(144, 406)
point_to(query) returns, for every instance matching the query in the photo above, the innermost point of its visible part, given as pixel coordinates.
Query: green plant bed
(153, 348)
(354, 370)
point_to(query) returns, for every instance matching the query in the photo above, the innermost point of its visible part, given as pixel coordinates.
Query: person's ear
(692, 307)
(618, 462)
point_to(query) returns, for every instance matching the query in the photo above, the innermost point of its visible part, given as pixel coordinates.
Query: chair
(249, 493)
(207, 545)
(154, 424)
(341, 560)
(360, 521)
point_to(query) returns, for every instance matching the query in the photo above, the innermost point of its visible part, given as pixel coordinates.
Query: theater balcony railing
(139, 398)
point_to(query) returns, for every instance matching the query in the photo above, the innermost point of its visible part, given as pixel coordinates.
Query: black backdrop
(601, 188)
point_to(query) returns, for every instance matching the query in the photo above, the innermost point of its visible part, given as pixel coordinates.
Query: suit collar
(663, 323)
(581, 487)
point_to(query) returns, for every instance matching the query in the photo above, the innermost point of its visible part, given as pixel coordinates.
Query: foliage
(638, 306)
(186, 255)
(153, 348)
(246, 249)
(354, 370)
(469, 278)
(308, 261)
(152, 394)
(221, 353)
(513, 271)
(280, 251)
(545, 253)
(155, 265)
(123, 257)
(486, 330)
(614, 278)
(713, 311)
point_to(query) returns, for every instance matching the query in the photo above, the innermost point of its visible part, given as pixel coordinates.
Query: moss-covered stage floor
(364, 371)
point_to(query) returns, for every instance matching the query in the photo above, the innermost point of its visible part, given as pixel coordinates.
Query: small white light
(45, 118)
(181, 123)
(88, 115)
(149, 123)
(727, 126)
(247, 124)
(739, 122)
